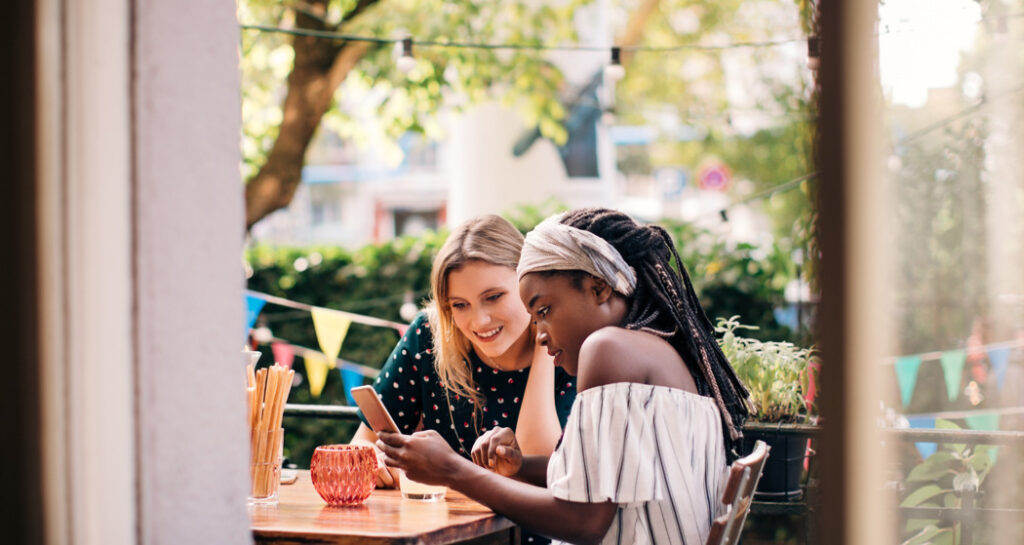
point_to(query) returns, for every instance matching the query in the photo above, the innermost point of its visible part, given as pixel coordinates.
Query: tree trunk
(320, 67)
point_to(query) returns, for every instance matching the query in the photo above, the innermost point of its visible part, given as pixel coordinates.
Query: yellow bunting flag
(316, 372)
(331, 327)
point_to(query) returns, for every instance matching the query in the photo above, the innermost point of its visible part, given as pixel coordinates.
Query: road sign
(714, 176)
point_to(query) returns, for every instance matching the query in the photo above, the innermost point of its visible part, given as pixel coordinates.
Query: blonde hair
(489, 239)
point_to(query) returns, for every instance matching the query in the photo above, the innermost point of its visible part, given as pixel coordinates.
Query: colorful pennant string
(952, 369)
(906, 375)
(253, 306)
(924, 423)
(350, 379)
(331, 328)
(999, 358)
(983, 422)
(316, 371)
(283, 353)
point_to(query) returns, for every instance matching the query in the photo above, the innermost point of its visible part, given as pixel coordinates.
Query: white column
(484, 175)
(188, 227)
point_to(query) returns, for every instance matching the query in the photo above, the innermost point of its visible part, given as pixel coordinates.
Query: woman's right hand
(498, 450)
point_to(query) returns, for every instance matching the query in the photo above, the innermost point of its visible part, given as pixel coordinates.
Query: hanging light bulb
(408, 309)
(613, 71)
(813, 52)
(406, 62)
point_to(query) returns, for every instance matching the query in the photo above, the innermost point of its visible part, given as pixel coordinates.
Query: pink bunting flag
(283, 354)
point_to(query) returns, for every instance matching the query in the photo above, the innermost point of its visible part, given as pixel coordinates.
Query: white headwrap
(554, 246)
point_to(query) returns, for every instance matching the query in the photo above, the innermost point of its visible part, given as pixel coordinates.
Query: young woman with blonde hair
(469, 362)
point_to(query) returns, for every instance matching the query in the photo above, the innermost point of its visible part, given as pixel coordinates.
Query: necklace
(455, 427)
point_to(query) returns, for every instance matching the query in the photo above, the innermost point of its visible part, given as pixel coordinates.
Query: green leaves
(942, 478)
(443, 77)
(922, 494)
(773, 372)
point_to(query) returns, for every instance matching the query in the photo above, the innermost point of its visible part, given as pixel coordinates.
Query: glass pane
(951, 74)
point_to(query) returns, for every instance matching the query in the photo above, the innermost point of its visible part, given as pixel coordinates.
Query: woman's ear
(601, 290)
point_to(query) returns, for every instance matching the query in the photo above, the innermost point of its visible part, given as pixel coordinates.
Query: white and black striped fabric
(658, 452)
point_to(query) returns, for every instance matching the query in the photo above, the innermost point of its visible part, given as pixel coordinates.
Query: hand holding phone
(373, 408)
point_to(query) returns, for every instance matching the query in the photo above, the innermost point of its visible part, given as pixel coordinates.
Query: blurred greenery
(373, 281)
(399, 103)
(938, 481)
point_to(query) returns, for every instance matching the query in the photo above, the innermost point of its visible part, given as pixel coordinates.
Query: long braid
(665, 304)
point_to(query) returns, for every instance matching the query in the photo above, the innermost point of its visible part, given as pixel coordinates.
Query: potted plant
(781, 378)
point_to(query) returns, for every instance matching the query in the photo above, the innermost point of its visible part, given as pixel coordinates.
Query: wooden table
(303, 517)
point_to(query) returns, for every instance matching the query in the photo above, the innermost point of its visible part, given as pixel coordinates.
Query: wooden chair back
(744, 474)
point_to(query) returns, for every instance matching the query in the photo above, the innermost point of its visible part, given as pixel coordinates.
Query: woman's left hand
(424, 456)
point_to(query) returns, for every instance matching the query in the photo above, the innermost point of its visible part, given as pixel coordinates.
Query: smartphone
(373, 408)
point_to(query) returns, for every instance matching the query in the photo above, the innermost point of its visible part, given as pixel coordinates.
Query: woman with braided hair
(644, 452)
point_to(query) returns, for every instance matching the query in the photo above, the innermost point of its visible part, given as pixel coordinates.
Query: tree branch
(320, 67)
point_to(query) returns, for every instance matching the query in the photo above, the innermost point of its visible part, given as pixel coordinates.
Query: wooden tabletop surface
(301, 516)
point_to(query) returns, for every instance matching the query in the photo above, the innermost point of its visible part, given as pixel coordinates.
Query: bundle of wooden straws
(268, 391)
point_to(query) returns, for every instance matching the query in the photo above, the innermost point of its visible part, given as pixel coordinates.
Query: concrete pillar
(187, 222)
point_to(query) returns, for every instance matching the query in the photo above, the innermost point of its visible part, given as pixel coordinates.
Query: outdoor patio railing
(968, 512)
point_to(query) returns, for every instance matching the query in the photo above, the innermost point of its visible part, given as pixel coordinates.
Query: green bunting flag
(906, 375)
(983, 422)
(952, 370)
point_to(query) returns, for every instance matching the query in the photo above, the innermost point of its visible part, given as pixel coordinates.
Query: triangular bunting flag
(331, 328)
(253, 306)
(999, 358)
(983, 422)
(924, 423)
(350, 379)
(906, 375)
(283, 354)
(952, 369)
(316, 372)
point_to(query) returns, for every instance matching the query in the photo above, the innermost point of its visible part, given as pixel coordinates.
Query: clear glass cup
(265, 466)
(414, 490)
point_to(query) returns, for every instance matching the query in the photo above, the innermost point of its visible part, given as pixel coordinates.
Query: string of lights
(973, 108)
(532, 47)
(780, 188)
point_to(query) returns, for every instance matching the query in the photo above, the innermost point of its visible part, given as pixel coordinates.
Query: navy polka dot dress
(411, 389)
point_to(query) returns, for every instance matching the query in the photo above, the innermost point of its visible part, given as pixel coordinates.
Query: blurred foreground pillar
(133, 317)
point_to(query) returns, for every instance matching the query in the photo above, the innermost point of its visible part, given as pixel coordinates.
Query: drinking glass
(415, 490)
(265, 466)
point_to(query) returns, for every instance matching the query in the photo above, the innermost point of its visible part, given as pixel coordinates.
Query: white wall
(140, 230)
(192, 444)
(484, 175)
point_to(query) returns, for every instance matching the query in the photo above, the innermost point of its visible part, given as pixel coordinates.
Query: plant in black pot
(780, 377)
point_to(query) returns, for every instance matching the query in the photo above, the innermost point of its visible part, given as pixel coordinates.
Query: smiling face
(486, 309)
(566, 311)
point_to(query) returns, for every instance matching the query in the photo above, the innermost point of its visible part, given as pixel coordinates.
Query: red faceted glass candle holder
(344, 474)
